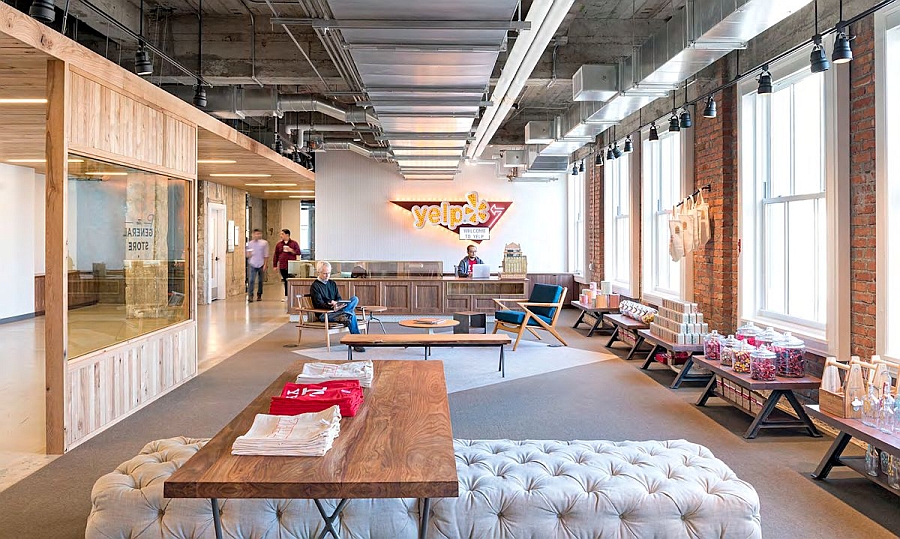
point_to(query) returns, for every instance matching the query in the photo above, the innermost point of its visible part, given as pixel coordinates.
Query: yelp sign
(474, 212)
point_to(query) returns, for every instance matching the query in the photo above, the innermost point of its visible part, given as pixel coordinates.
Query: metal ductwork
(302, 103)
(382, 155)
(695, 37)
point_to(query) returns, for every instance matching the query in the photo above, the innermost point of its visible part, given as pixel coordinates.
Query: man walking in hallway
(257, 261)
(285, 251)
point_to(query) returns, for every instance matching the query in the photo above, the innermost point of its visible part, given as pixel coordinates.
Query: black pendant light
(574, 169)
(609, 153)
(200, 96)
(278, 146)
(200, 92)
(628, 147)
(43, 11)
(654, 133)
(765, 81)
(686, 121)
(842, 52)
(818, 62)
(598, 159)
(674, 123)
(709, 111)
(581, 166)
(616, 151)
(142, 65)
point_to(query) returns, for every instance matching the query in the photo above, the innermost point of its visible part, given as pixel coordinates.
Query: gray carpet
(606, 400)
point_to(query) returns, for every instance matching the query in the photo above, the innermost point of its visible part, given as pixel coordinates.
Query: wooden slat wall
(105, 387)
(107, 124)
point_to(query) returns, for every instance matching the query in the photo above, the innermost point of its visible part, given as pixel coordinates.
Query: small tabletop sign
(471, 233)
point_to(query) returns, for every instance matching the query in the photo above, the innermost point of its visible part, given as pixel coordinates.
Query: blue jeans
(256, 274)
(349, 310)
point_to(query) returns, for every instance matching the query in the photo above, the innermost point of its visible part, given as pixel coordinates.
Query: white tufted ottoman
(521, 490)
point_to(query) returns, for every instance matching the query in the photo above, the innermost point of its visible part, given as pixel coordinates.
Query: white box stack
(679, 322)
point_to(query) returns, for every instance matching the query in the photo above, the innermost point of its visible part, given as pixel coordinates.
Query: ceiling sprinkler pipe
(549, 25)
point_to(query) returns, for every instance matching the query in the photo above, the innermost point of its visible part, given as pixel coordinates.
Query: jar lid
(731, 341)
(789, 341)
(763, 353)
(748, 329)
(769, 335)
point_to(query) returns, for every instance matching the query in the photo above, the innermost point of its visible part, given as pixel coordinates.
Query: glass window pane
(808, 135)
(129, 250)
(774, 256)
(779, 141)
(892, 147)
(803, 259)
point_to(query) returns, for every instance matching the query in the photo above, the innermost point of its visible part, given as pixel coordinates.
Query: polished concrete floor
(224, 327)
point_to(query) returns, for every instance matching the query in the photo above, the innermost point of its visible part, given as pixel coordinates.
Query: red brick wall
(862, 190)
(594, 221)
(715, 164)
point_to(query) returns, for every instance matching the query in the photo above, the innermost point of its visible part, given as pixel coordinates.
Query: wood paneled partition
(107, 124)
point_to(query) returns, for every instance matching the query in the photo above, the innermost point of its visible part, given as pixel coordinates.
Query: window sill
(621, 289)
(656, 298)
(815, 340)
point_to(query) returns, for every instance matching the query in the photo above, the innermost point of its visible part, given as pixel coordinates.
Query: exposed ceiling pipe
(303, 103)
(525, 55)
(356, 148)
(252, 44)
(297, 43)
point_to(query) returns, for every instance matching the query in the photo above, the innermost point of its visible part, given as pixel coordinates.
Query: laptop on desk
(481, 271)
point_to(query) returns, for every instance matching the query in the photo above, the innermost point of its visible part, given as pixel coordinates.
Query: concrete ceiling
(295, 59)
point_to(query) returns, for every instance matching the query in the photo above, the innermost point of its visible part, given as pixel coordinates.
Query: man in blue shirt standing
(257, 261)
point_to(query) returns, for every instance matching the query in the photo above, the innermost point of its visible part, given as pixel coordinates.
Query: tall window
(617, 223)
(576, 231)
(888, 161)
(790, 216)
(662, 189)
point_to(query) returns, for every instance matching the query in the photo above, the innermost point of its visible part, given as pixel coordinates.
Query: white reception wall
(355, 219)
(17, 249)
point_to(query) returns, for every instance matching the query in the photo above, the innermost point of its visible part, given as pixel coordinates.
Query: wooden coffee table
(430, 327)
(420, 463)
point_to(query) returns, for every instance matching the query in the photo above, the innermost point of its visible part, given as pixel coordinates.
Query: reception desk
(420, 295)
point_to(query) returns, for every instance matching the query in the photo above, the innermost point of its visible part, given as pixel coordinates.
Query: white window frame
(887, 239)
(651, 294)
(616, 218)
(834, 337)
(577, 226)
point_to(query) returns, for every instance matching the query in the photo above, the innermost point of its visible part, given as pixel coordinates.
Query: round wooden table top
(373, 308)
(441, 323)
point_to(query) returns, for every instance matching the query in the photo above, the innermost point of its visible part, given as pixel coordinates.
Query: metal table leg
(637, 344)
(833, 457)
(217, 517)
(502, 363)
(685, 376)
(649, 360)
(760, 419)
(580, 318)
(426, 509)
(597, 324)
(375, 318)
(801, 414)
(710, 391)
(613, 338)
(329, 519)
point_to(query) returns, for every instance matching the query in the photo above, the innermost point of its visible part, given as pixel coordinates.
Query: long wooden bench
(625, 325)
(428, 341)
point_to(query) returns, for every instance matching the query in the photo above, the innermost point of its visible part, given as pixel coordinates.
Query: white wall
(17, 256)
(40, 224)
(355, 219)
(290, 217)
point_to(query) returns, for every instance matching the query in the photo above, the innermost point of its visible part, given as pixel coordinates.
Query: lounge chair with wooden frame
(309, 319)
(541, 311)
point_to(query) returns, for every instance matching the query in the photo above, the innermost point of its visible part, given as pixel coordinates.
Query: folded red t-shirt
(305, 398)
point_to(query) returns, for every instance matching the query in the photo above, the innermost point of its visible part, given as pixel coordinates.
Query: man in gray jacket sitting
(464, 268)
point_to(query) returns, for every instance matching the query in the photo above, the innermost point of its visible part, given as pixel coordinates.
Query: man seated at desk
(464, 268)
(325, 295)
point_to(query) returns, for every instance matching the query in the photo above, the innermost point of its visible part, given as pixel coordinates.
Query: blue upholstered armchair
(541, 311)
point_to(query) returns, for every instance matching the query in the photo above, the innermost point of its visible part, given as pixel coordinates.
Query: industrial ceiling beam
(424, 102)
(424, 47)
(383, 24)
(401, 135)
(427, 89)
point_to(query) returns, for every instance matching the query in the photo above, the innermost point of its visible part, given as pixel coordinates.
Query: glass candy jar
(789, 360)
(748, 333)
(767, 337)
(712, 346)
(727, 353)
(742, 358)
(762, 364)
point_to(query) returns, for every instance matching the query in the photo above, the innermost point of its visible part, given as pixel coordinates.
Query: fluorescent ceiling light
(299, 196)
(40, 160)
(287, 191)
(216, 161)
(271, 184)
(101, 173)
(24, 101)
(240, 175)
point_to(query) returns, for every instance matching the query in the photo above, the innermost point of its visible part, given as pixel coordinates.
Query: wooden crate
(836, 405)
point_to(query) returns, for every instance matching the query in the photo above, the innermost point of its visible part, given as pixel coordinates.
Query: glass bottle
(856, 391)
(894, 476)
(872, 460)
(870, 407)
(885, 462)
(886, 410)
(897, 418)
(712, 345)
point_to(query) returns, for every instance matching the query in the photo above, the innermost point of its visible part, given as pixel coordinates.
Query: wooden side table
(684, 373)
(372, 309)
(594, 312)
